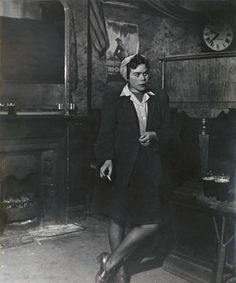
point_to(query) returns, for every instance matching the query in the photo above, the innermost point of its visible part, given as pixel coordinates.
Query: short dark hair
(138, 59)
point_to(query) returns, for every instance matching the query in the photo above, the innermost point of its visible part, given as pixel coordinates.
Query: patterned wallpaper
(158, 36)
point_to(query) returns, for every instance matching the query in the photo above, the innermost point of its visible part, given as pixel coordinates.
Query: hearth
(32, 180)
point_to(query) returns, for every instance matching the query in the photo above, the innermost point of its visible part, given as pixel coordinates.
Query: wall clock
(218, 36)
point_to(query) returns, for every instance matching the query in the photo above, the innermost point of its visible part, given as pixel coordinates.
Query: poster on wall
(124, 41)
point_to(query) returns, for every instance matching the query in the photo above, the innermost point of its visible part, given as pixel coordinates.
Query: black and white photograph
(117, 141)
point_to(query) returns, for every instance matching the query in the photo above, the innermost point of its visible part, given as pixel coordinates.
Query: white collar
(126, 91)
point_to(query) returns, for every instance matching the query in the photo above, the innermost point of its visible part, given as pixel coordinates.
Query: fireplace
(20, 186)
(32, 169)
(28, 180)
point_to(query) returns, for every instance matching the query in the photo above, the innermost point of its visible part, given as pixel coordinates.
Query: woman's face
(138, 78)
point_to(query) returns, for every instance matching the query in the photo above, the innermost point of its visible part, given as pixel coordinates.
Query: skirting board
(187, 269)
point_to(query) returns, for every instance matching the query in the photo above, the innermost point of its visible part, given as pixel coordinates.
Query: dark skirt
(140, 202)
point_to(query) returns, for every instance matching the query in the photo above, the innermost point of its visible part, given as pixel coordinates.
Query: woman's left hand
(147, 137)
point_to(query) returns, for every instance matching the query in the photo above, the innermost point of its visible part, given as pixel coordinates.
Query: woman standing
(128, 152)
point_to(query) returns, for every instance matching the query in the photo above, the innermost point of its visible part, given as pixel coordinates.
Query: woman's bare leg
(116, 234)
(129, 243)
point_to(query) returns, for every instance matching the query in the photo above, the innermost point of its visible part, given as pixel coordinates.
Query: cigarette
(109, 178)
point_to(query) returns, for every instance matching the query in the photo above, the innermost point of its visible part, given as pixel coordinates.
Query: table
(221, 210)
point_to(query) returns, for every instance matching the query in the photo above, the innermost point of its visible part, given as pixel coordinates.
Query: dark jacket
(119, 133)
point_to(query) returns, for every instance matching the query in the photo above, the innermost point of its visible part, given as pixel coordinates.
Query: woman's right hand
(106, 169)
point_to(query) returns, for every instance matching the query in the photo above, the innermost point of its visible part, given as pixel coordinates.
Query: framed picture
(124, 41)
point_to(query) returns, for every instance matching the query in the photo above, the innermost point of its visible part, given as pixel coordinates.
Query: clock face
(218, 36)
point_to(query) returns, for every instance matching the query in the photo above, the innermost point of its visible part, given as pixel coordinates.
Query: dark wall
(158, 36)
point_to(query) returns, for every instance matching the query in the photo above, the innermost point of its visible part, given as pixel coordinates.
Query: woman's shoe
(103, 276)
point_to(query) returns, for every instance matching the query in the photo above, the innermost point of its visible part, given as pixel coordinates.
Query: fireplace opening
(20, 198)
(20, 187)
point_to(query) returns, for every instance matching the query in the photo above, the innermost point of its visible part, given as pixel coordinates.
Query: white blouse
(140, 107)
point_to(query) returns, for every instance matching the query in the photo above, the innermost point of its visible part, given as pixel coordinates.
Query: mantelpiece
(37, 142)
(35, 158)
(35, 77)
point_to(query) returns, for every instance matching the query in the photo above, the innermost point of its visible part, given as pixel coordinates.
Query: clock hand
(214, 37)
(212, 31)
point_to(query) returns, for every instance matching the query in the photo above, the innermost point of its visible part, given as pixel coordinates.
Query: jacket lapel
(131, 113)
(151, 109)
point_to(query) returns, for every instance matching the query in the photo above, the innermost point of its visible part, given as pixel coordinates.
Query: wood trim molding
(120, 4)
(199, 56)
